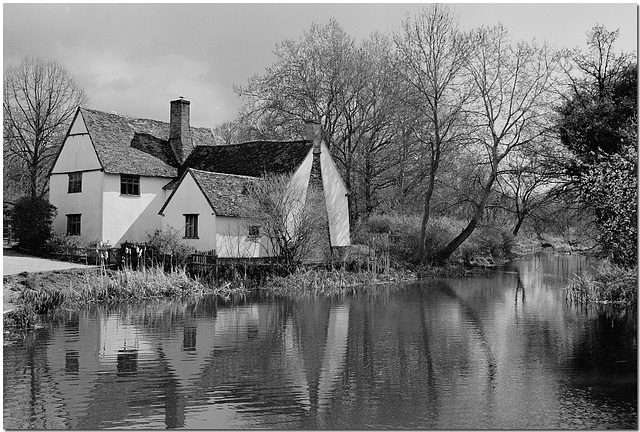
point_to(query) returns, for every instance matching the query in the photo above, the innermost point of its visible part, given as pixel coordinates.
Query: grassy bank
(608, 284)
(39, 293)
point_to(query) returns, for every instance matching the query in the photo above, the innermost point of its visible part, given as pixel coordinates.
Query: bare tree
(432, 53)
(514, 85)
(328, 78)
(39, 99)
(290, 217)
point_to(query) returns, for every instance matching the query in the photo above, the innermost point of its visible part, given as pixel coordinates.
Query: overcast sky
(134, 58)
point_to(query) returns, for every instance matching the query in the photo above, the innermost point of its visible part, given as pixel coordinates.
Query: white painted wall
(233, 240)
(132, 218)
(335, 194)
(78, 153)
(188, 199)
(88, 203)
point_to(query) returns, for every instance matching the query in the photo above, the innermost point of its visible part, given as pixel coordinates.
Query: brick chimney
(313, 132)
(179, 129)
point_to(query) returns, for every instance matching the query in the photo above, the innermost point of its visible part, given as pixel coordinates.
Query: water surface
(502, 350)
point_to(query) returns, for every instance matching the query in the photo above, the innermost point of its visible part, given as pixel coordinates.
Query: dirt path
(14, 263)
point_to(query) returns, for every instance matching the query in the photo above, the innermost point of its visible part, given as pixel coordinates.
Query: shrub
(169, 242)
(32, 218)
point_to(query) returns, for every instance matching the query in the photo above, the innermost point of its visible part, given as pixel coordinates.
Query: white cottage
(119, 179)
(108, 178)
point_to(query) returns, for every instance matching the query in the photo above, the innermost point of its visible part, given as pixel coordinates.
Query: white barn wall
(188, 199)
(335, 193)
(132, 218)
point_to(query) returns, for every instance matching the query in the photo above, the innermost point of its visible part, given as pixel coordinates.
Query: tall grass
(334, 282)
(404, 234)
(607, 284)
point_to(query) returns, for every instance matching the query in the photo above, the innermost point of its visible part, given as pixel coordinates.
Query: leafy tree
(598, 124)
(611, 190)
(32, 218)
(602, 98)
(39, 99)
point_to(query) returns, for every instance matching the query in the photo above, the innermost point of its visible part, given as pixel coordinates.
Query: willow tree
(431, 56)
(39, 99)
(514, 86)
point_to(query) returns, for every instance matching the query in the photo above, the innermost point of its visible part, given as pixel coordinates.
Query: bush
(404, 232)
(32, 218)
(169, 242)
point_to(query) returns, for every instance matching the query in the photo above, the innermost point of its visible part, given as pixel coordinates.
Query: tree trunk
(519, 224)
(444, 254)
(422, 245)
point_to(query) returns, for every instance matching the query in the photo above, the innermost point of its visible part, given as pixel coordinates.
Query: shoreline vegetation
(39, 293)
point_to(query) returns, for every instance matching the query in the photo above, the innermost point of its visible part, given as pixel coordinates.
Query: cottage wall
(132, 218)
(78, 156)
(87, 203)
(188, 199)
(233, 240)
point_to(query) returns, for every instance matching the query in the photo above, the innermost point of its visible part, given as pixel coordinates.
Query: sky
(134, 58)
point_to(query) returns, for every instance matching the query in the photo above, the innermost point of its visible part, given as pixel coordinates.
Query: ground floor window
(73, 224)
(191, 226)
(254, 232)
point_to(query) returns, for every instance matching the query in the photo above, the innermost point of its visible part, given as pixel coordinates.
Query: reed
(608, 284)
(41, 300)
(328, 282)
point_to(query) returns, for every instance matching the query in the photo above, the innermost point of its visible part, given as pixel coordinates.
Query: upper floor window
(73, 224)
(191, 226)
(129, 184)
(75, 182)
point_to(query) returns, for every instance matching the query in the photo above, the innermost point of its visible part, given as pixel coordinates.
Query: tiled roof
(251, 158)
(136, 146)
(226, 193)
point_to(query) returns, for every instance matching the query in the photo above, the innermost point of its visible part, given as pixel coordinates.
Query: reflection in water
(447, 354)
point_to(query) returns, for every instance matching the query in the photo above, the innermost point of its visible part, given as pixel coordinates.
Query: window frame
(129, 185)
(253, 232)
(75, 182)
(191, 225)
(74, 227)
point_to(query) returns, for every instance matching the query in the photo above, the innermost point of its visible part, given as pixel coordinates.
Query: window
(129, 184)
(75, 182)
(73, 224)
(191, 226)
(254, 231)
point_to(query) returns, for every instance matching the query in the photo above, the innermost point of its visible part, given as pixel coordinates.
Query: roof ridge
(128, 117)
(262, 142)
(223, 174)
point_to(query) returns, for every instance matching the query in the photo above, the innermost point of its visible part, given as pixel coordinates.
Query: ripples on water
(498, 351)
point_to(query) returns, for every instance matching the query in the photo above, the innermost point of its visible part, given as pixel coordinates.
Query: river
(502, 350)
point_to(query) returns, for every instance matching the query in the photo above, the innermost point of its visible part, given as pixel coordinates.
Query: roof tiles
(253, 158)
(127, 145)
